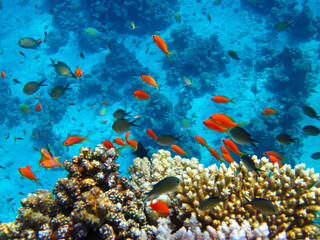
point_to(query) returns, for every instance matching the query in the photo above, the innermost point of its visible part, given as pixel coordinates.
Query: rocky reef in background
(94, 202)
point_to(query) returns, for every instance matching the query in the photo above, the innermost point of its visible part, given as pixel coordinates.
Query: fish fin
(28, 167)
(53, 64)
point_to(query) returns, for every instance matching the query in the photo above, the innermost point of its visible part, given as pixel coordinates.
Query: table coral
(294, 191)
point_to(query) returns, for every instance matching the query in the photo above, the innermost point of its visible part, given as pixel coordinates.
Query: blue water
(283, 66)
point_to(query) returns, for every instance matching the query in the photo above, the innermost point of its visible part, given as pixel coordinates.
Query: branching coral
(292, 190)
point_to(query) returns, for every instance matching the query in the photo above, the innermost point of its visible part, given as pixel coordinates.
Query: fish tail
(43, 82)
(227, 132)
(169, 55)
(132, 123)
(239, 124)
(85, 138)
(53, 64)
(231, 100)
(242, 154)
(253, 142)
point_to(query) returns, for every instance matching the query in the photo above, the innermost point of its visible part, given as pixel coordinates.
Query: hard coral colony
(94, 202)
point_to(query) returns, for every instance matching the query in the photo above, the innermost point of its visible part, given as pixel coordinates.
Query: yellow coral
(290, 189)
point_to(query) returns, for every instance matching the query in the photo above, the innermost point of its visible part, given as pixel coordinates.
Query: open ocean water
(278, 68)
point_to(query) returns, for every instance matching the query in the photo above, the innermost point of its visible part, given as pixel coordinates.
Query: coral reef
(92, 202)
(292, 190)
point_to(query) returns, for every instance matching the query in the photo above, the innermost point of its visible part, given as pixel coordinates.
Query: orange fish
(161, 44)
(275, 160)
(120, 142)
(224, 120)
(160, 207)
(149, 80)
(105, 103)
(139, 94)
(78, 73)
(70, 141)
(38, 107)
(108, 144)
(268, 112)
(151, 134)
(227, 157)
(104, 121)
(201, 141)
(221, 99)
(232, 147)
(45, 155)
(22, 53)
(224, 150)
(27, 173)
(50, 164)
(214, 153)
(178, 150)
(132, 143)
(209, 124)
(3, 74)
(273, 153)
(36, 97)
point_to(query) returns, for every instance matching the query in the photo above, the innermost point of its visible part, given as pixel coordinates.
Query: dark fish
(141, 152)
(248, 163)
(282, 26)
(265, 206)
(74, 119)
(2, 167)
(51, 11)
(36, 6)
(165, 185)
(120, 113)
(233, 55)
(122, 125)
(9, 200)
(28, 42)
(82, 56)
(31, 87)
(165, 140)
(242, 137)
(8, 135)
(211, 202)
(21, 193)
(285, 139)
(45, 36)
(316, 156)
(109, 44)
(310, 112)
(59, 91)
(311, 130)
(254, 89)
(146, 51)
(62, 69)
(216, 2)
(209, 17)
(35, 148)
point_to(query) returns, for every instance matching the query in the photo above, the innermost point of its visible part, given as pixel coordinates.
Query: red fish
(3, 74)
(27, 173)
(232, 147)
(161, 45)
(78, 73)
(151, 134)
(16, 80)
(214, 153)
(178, 150)
(38, 107)
(120, 142)
(221, 99)
(201, 141)
(209, 124)
(273, 153)
(224, 120)
(50, 163)
(226, 155)
(140, 94)
(160, 207)
(22, 53)
(132, 143)
(17, 138)
(105, 103)
(149, 80)
(74, 140)
(268, 112)
(275, 160)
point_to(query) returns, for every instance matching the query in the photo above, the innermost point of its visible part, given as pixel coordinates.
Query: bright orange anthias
(120, 142)
(273, 153)
(78, 73)
(275, 160)
(149, 80)
(214, 153)
(178, 150)
(221, 99)
(226, 155)
(161, 45)
(142, 95)
(151, 134)
(209, 124)
(201, 141)
(27, 173)
(160, 207)
(268, 112)
(224, 120)
(132, 143)
(74, 140)
(232, 147)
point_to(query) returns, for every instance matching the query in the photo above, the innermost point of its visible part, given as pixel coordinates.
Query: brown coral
(290, 189)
